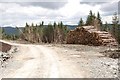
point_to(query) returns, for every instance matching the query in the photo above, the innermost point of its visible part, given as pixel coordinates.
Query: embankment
(4, 47)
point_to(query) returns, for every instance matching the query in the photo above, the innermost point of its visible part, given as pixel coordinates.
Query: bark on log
(88, 35)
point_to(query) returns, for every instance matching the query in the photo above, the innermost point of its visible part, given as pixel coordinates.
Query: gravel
(86, 58)
(90, 59)
(5, 56)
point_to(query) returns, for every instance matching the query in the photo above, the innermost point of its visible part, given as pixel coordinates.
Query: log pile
(89, 35)
(82, 36)
(107, 38)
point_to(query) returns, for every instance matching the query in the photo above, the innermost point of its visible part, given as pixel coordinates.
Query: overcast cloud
(18, 12)
(49, 5)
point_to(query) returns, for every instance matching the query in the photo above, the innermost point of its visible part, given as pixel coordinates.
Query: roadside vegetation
(57, 32)
(5, 36)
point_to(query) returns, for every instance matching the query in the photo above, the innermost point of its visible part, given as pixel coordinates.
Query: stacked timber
(82, 36)
(107, 38)
(89, 35)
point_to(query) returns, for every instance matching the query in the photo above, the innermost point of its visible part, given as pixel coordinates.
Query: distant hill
(11, 30)
(71, 27)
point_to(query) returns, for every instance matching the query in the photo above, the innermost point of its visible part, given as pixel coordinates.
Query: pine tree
(99, 21)
(116, 29)
(54, 25)
(60, 25)
(42, 23)
(106, 27)
(25, 32)
(50, 33)
(40, 32)
(26, 25)
(32, 25)
(91, 13)
(90, 19)
(81, 23)
(115, 22)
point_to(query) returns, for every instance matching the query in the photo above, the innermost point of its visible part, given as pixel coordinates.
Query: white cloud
(49, 5)
(107, 19)
(70, 13)
(33, 0)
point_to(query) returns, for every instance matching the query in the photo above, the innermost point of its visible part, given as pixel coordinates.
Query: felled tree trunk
(89, 35)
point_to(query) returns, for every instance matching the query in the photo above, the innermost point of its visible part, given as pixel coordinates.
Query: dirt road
(41, 61)
(61, 61)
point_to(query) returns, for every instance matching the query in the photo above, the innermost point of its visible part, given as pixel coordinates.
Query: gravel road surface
(59, 61)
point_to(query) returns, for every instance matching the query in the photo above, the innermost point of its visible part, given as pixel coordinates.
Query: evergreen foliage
(116, 28)
(55, 33)
(81, 23)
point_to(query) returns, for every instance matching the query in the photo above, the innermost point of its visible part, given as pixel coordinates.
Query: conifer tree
(81, 23)
(42, 23)
(90, 19)
(116, 29)
(100, 27)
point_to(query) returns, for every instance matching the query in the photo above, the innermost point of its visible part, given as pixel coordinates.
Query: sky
(18, 12)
